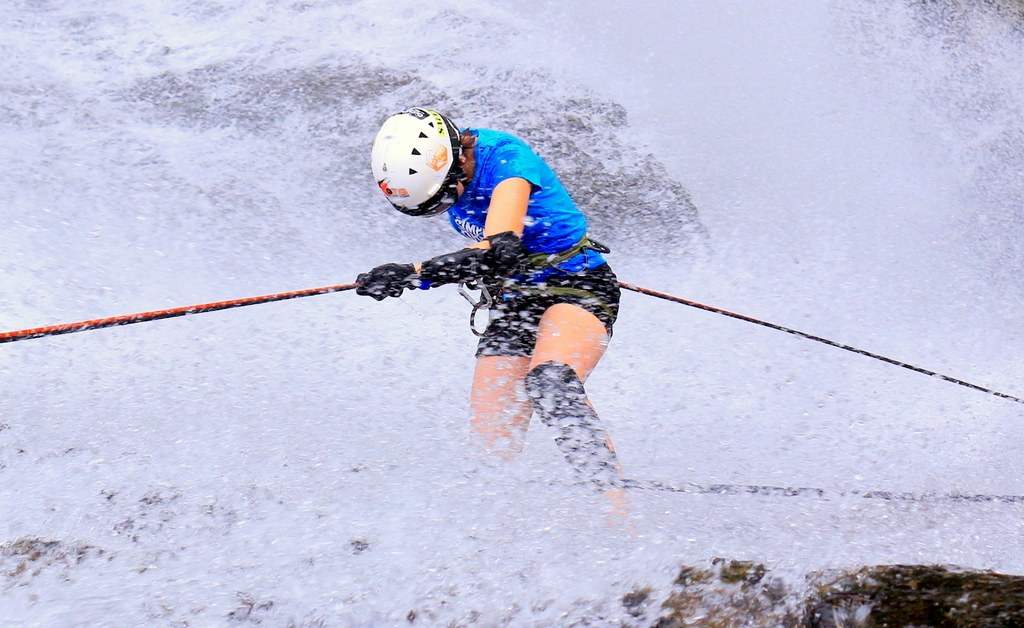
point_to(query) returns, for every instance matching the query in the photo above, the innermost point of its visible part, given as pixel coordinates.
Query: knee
(553, 379)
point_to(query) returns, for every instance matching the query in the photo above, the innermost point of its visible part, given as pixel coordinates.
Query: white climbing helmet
(415, 161)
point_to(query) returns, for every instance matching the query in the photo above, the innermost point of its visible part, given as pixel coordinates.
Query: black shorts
(515, 315)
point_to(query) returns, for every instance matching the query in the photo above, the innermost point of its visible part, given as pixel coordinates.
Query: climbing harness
(534, 263)
(542, 261)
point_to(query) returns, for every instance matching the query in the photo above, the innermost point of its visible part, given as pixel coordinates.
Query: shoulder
(499, 141)
(501, 156)
(506, 154)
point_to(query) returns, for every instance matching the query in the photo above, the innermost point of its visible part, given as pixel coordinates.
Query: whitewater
(849, 168)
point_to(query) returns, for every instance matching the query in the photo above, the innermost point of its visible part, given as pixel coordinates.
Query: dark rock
(730, 594)
(919, 595)
(735, 594)
(27, 557)
(636, 601)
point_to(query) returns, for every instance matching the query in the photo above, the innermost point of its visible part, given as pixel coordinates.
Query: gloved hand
(387, 280)
(503, 258)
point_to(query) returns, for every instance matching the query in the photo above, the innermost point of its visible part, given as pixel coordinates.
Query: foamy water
(306, 462)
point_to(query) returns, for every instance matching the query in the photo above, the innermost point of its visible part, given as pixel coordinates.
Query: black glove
(507, 252)
(502, 259)
(387, 280)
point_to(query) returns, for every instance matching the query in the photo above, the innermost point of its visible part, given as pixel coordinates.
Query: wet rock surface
(920, 595)
(730, 593)
(721, 593)
(632, 201)
(23, 559)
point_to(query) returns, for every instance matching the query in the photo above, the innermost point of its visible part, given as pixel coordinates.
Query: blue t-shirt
(553, 222)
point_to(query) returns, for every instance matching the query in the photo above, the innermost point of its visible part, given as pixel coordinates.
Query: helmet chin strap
(457, 173)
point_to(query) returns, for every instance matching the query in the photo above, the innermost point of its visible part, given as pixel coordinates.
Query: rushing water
(856, 171)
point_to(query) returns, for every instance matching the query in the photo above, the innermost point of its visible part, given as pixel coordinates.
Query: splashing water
(856, 169)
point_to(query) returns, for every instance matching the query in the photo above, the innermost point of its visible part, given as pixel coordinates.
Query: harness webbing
(534, 263)
(543, 261)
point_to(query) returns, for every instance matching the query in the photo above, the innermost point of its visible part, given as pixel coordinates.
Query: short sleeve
(514, 159)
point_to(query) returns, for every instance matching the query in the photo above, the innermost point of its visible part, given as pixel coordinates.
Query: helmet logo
(393, 192)
(438, 123)
(437, 156)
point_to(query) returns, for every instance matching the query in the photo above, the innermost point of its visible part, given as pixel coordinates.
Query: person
(551, 295)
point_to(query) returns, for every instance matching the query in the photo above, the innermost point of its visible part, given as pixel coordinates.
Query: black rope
(832, 343)
(790, 491)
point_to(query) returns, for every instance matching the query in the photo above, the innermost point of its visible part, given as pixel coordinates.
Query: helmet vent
(415, 161)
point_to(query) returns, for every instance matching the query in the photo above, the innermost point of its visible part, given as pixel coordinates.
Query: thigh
(595, 290)
(582, 305)
(497, 377)
(571, 335)
(501, 408)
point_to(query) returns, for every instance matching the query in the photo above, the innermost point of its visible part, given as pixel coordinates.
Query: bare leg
(572, 336)
(568, 335)
(501, 409)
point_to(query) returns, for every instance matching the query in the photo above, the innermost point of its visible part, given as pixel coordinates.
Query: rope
(832, 343)
(790, 491)
(713, 489)
(128, 319)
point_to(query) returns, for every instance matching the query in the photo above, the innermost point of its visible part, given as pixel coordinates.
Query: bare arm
(507, 211)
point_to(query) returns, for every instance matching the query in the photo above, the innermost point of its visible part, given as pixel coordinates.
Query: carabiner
(485, 301)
